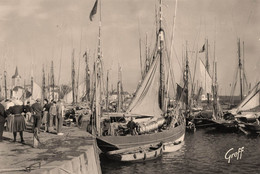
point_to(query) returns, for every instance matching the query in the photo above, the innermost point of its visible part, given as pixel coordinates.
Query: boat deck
(73, 152)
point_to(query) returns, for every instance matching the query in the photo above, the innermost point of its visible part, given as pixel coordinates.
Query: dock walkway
(74, 152)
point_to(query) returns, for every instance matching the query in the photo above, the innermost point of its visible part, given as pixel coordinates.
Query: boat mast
(32, 85)
(147, 62)
(161, 47)
(5, 73)
(141, 64)
(119, 90)
(98, 80)
(207, 61)
(186, 81)
(207, 54)
(87, 77)
(73, 77)
(240, 69)
(245, 84)
(43, 82)
(215, 92)
(107, 90)
(52, 80)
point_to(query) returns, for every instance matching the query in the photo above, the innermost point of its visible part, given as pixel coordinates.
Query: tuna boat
(146, 121)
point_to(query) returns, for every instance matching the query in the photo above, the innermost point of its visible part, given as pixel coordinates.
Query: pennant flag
(202, 49)
(93, 11)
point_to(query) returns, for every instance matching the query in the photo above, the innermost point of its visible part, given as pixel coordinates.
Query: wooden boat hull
(138, 155)
(173, 146)
(223, 125)
(109, 143)
(204, 122)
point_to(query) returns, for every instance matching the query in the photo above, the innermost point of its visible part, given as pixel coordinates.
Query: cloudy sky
(34, 32)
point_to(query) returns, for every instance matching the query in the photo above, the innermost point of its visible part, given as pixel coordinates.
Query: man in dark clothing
(45, 118)
(28, 111)
(131, 125)
(2, 121)
(37, 114)
(18, 121)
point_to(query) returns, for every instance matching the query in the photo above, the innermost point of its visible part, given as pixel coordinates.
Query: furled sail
(205, 78)
(146, 100)
(252, 100)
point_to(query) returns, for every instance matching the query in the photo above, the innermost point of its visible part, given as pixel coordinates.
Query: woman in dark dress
(18, 122)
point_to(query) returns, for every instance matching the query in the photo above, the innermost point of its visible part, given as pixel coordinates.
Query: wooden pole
(240, 70)
(73, 76)
(161, 47)
(5, 85)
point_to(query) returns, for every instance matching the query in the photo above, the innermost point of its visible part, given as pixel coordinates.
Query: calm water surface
(203, 152)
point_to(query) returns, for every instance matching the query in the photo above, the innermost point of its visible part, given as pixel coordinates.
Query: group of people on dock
(18, 116)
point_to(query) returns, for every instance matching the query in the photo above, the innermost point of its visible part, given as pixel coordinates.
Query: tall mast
(43, 82)
(119, 90)
(52, 80)
(5, 73)
(147, 62)
(215, 91)
(87, 77)
(24, 93)
(245, 84)
(73, 76)
(240, 69)
(161, 47)
(207, 61)
(107, 103)
(207, 54)
(141, 61)
(98, 79)
(186, 80)
(32, 85)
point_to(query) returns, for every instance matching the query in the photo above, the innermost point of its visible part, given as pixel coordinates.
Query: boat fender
(144, 156)
(155, 154)
(134, 156)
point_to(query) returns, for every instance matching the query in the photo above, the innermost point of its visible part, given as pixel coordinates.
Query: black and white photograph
(129, 86)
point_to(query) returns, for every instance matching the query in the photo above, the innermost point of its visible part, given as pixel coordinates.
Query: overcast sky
(34, 32)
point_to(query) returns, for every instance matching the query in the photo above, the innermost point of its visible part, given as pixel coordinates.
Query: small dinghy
(136, 154)
(172, 146)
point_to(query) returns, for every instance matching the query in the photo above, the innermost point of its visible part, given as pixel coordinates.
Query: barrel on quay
(75, 152)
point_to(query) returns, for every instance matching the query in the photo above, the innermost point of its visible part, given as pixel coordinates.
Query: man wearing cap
(37, 114)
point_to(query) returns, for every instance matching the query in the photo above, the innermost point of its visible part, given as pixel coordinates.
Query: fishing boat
(136, 154)
(146, 121)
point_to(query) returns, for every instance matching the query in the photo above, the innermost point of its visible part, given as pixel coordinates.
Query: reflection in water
(203, 152)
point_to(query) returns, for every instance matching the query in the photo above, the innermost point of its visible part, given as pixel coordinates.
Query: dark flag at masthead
(93, 11)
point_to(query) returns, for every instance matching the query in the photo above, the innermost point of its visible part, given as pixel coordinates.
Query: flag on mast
(93, 11)
(202, 49)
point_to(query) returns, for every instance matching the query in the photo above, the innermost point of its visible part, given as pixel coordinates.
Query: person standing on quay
(53, 114)
(2, 121)
(60, 115)
(18, 124)
(28, 111)
(37, 114)
(45, 118)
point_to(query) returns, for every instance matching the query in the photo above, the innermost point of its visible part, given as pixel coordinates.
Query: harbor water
(205, 151)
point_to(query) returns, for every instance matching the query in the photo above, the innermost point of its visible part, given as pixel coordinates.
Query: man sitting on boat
(132, 126)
